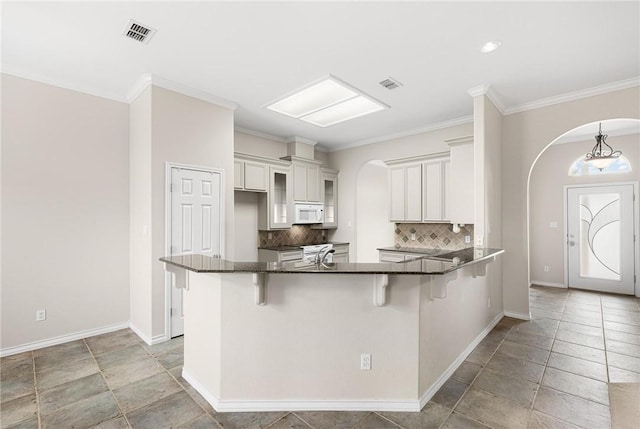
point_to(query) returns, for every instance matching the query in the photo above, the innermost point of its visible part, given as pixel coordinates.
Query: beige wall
(254, 145)
(350, 162)
(548, 179)
(245, 213)
(140, 211)
(65, 212)
(186, 130)
(372, 225)
(524, 136)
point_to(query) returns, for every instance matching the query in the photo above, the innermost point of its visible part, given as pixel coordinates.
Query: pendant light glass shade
(599, 157)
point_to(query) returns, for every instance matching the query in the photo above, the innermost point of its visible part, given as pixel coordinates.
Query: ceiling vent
(136, 31)
(390, 83)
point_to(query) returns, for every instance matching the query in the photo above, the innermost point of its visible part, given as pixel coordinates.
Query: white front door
(600, 238)
(195, 224)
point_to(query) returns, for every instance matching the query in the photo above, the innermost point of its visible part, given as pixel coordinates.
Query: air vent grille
(139, 32)
(390, 83)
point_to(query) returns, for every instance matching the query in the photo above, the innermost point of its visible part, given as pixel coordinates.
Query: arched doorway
(548, 179)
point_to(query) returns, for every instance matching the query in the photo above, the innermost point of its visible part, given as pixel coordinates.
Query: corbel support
(480, 268)
(438, 284)
(260, 283)
(380, 283)
(180, 278)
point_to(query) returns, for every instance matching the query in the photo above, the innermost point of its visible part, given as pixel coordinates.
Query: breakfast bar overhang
(291, 336)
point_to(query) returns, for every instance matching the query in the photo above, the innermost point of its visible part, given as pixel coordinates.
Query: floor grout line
(108, 386)
(35, 389)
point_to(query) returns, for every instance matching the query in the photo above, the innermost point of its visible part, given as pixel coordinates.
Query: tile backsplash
(432, 235)
(295, 236)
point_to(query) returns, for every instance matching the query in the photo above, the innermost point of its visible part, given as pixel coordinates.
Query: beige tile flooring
(552, 372)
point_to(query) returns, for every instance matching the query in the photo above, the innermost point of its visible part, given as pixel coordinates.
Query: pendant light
(598, 157)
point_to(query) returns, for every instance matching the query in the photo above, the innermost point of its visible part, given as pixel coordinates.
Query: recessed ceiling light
(326, 103)
(490, 46)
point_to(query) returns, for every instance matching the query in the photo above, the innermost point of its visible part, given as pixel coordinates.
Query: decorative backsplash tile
(432, 235)
(295, 236)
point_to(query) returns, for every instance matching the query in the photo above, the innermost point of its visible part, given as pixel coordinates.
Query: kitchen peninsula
(338, 336)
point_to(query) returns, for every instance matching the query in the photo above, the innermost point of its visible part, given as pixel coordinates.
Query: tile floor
(551, 372)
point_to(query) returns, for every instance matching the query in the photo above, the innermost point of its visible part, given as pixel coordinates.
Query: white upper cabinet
(275, 209)
(329, 189)
(250, 173)
(406, 193)
(414, 193)
(435, 182)
(418, 188)
(461, 189)
(306, 180)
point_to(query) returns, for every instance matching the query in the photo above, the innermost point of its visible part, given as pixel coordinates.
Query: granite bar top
(285, 248)
(436, 265)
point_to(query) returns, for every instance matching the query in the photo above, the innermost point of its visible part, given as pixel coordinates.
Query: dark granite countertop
(441, 264)
(285, 248)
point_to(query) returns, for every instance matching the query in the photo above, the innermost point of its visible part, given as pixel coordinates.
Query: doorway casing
(168, 277)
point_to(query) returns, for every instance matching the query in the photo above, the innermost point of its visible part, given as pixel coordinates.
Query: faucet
(320, 256)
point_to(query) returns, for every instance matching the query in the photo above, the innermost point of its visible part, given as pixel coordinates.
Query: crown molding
(295, 139)
(62, 83)
(575, 95)
(151, 79)
(260, 134)
(478, 90)
(491, 95)
(432, 127)
(138, 87)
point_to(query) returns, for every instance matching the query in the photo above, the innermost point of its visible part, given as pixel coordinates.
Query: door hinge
(171, 312)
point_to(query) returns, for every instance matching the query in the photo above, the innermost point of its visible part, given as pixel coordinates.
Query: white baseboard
(148, 340)
(61, 339)
(426, 396)
(296, 405)
(549, 284)
(521, 316)
(338, 405)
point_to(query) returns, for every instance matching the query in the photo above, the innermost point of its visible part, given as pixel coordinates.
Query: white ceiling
(254, 53)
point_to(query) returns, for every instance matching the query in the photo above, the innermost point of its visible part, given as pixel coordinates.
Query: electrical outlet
(553, 224)
(479, 241)
(365, 361)
(546, 268)
(269, 235)
(413, 236)
(41, 315)
(467, 239)
(488, 302)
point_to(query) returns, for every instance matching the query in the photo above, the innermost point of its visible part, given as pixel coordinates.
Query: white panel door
(600, 239)
(195, 224)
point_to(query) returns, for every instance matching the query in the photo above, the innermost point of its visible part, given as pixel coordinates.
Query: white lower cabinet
(269, 255)
(341, 253)
(392, 256)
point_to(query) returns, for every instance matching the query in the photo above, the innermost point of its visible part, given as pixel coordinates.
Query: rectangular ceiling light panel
(326, 103)
(350, 109)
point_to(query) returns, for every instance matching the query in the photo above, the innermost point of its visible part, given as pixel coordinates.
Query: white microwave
(309, 213)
